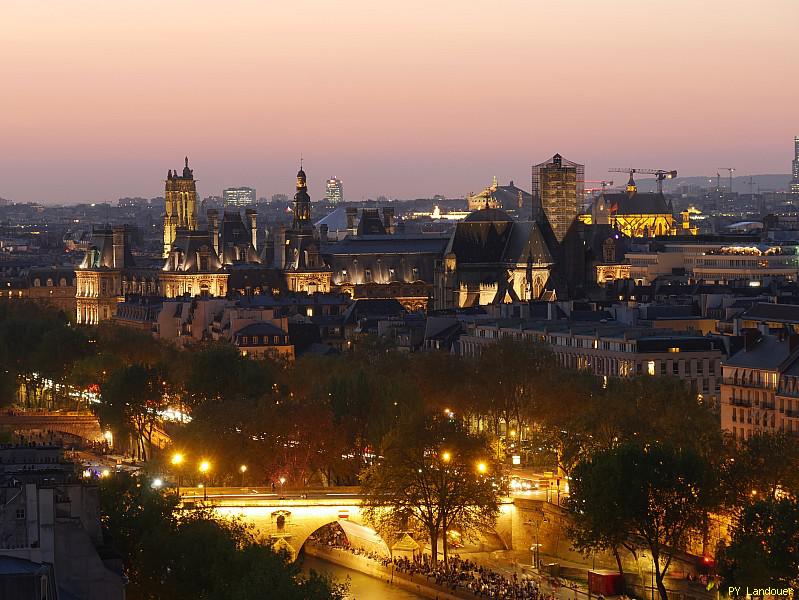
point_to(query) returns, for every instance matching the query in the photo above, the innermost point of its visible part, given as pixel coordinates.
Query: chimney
(751, 338)
(280, 247)
(351, 214)
(119, 246)
(252, 217)
(323, 233)
(213, 227)
(388, 218)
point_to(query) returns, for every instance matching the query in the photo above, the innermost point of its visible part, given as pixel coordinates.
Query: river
(362, 587)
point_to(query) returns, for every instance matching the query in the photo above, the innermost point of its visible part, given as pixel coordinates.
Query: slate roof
(637, 203)
(779, 313)
(768, 353)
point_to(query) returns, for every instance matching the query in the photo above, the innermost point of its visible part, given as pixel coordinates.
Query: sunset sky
(407, 99)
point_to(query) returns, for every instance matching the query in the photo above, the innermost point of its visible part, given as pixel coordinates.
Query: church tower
(180, 197)
(302, 203)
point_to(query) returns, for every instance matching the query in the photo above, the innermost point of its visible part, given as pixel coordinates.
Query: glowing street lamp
(205, 466)
(446, 456)
(282, 481)
(157, 483)
(177, 461)
(482, 468)
(242, 470)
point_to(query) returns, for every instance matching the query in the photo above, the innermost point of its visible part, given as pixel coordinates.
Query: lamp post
(177, 461)
(205, 466)
(242, 470)
(282, 481)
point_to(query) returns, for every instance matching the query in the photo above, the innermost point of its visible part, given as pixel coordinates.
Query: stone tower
(180, 197)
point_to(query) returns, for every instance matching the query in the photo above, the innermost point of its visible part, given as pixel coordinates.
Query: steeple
(302, 201)
(631, 187)
(187, 172)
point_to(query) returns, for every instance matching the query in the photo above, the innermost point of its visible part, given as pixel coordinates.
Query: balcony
(761, 385)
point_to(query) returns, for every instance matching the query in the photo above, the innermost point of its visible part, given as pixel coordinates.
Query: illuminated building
(760, 388)
(716, 259)
(335, 190)
(557, 193)
(506, 197)
(492, 259)
(635, 214)
(49, 286)
(299, 255)
(611, 349)
(239, 196)
(107, 274)
(180, 199)
(795, 167)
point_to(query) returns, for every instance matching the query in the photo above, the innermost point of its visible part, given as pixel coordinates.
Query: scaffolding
(558, 189)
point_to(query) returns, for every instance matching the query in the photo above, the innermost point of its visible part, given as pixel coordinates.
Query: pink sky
(99, 99)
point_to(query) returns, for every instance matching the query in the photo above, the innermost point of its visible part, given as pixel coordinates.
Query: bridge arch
(288, 524)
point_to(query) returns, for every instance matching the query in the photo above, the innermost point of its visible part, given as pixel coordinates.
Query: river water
(362, 587)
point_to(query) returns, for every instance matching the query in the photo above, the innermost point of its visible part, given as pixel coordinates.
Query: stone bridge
(289, 519)
(79, 424)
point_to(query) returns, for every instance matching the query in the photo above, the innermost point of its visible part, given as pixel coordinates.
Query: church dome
(488, 215)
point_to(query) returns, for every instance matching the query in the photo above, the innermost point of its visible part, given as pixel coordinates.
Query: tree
(654, 493)
(432, 472)
(765, 464)
(133, 396)
(764, 546)
(196, 556)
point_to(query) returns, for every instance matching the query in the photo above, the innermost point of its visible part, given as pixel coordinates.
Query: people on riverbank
(462, 576)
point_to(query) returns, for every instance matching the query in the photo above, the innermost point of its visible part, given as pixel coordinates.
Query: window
(20, 513)
(367, 275)
(650, 367)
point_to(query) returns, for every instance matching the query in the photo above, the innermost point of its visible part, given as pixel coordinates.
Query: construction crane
(659, 174)
(731, 171)
(603, 183)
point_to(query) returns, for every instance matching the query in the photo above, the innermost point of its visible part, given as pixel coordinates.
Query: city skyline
(435, 99)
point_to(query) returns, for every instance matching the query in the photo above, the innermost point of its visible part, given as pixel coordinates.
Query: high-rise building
(795, 167)
(180, 199)
(557, 193)
(239, 196)
(335, 190)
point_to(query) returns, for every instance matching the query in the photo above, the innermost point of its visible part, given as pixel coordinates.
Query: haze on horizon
(99, 99)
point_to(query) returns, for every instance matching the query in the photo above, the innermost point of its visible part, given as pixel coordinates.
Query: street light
(242, 470)
(282, 481)
(205, 466)
(482, 468)
(446, 456)
(177, 460)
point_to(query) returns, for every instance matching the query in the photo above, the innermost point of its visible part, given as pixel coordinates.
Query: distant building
(506, 197)
(611, 349)
(239, 196)
(795, 167)
(335, 190)
(635, 214)
(558, 193)
(280, 198)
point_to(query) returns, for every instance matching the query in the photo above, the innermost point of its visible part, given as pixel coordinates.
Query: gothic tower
(180, 197)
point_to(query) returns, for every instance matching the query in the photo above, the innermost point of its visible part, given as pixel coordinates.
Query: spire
(187, 172)
(169, 174)
(631, 187)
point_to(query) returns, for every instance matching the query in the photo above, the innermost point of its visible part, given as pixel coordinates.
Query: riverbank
(374, 569)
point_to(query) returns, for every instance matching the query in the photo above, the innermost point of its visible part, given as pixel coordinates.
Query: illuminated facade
(334, 190)
(637, 214)
(107, 274)
(299, 256)
(557, 193)
(239, 196)
(795, 167)
(492, 259)
(180, 196)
